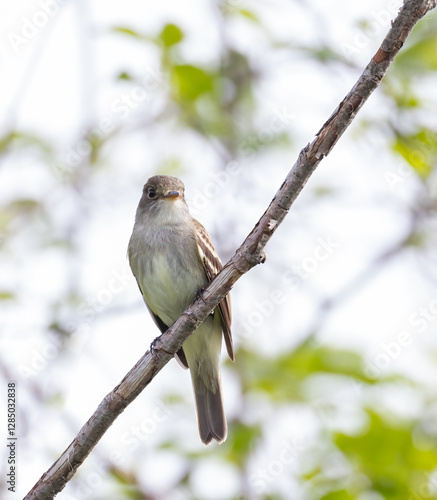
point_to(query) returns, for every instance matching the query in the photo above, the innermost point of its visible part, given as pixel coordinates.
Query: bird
(173, 258)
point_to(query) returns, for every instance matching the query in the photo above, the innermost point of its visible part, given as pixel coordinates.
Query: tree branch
(250, 253)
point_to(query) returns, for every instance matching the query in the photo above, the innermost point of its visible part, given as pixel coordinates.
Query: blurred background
(333, 391)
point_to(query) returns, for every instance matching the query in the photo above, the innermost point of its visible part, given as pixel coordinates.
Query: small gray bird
(172, 258)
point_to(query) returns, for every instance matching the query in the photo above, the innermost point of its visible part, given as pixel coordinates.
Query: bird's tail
(202, 351)
(210, 414)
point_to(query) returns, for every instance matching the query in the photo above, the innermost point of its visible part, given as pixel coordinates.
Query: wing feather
(180, 355)
(213, 265)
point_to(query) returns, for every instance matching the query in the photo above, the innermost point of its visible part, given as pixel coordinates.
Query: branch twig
(247, 256)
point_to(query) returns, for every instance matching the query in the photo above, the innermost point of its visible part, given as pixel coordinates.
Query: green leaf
(171, 35)
(123, 75)
(323, 190)
(23, 140)
(282, 378)
(248, 14)
(386, 454)
(419, 150)
(417, 239)
(242, 438)
(311, 358)
(323, 53)
(23, 206)
(127, 31)
(401, 93)
(6, 295)
(190, 82)
(421, 56)
(338, 495)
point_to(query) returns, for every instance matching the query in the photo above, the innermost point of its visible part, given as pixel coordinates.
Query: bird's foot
(155, 349)
(199, 294)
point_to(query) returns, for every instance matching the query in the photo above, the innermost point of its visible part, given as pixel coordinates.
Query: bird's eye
(151, 193)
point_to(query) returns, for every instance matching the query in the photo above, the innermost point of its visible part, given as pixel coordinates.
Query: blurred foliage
(417, 60)
(243, 438)
(217, 101)
(281, 378)
(22, 139)
(171, 35)
(419, 150)
(420, 54)
(386, 454)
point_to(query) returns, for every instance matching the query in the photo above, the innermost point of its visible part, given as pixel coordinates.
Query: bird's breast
(169, 274)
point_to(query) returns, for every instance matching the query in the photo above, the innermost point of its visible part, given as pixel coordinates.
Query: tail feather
(202, 351)
(210, 414)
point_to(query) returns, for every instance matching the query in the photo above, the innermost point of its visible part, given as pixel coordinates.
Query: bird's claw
(199, 295)
(155, 349)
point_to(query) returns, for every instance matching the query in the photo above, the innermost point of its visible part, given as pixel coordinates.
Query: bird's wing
(213, 265)
(180, 355)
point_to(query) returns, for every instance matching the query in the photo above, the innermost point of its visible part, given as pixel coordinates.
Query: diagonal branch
(250, 253)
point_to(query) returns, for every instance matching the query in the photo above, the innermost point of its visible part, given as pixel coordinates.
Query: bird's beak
(172, 195)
